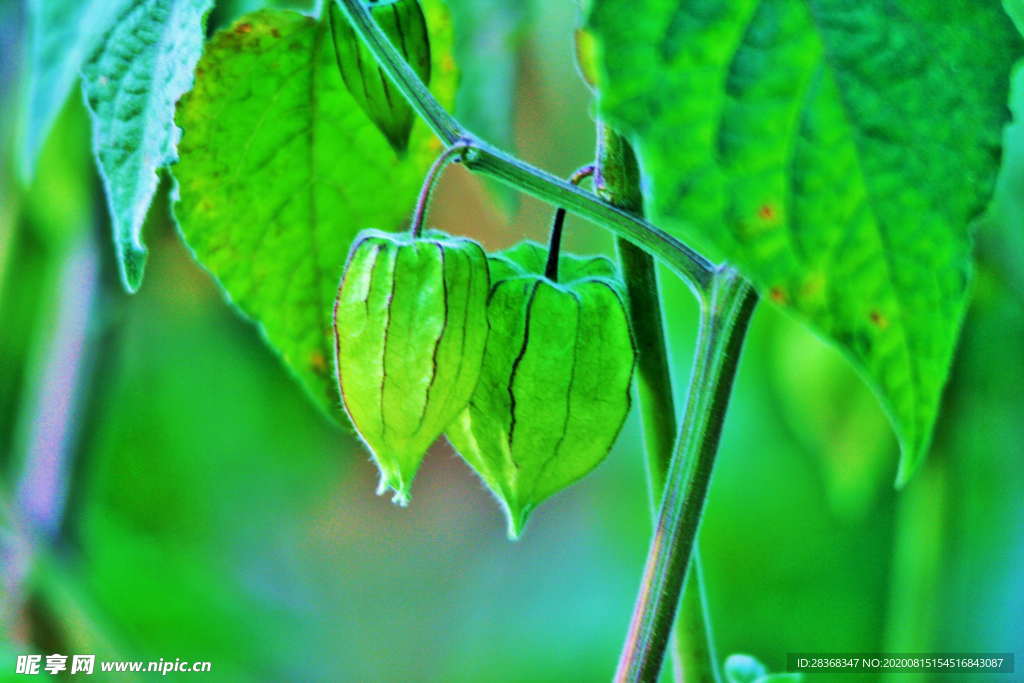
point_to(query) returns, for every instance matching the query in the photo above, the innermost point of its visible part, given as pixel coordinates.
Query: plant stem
(618, 182)
(60, 375)
(727, 302)
(694, 269)
(446, 157)
(725, 315)
(693, 644)
(691, 266)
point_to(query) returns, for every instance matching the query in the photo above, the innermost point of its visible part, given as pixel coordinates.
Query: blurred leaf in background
(47, 222)
(983, 551)
(131, 83)
(190, 506)
(831, 414)
(63, 34)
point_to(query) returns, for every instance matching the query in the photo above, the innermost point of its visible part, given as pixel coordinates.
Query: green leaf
(834, 152)
(131, 84)
(279, 169)
(62, 35)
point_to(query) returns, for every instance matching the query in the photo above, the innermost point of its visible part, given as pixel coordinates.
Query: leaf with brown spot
(280, 169)
(835, 152)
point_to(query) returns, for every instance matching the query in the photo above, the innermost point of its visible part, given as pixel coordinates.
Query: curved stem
(725, 315)
(691, 266)
(430, 182)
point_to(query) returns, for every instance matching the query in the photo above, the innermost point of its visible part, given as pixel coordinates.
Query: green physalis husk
(406, 27)
(554, 390)
(410, 324)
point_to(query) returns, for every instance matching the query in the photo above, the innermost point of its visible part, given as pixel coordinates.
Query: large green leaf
(835, 152)
(131, 84)
(279, 169)
(62, 35)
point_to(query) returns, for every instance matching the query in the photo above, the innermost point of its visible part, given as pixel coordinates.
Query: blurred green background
(168, 491)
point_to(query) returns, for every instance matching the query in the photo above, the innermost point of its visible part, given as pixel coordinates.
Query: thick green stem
(654, 382)
(725, 315)
(618, 182)
(691, 266)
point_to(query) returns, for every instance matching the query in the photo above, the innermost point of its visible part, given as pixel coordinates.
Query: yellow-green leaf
(279, 170)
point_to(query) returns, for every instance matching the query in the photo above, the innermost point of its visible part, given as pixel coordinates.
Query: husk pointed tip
(398, 486)
(517, 519)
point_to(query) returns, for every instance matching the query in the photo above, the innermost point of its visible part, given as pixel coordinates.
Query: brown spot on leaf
(274, 32)
(777, 295)
(317, 362)
(813, 286)
(767, 212)
(879, 320)
(242, 29)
